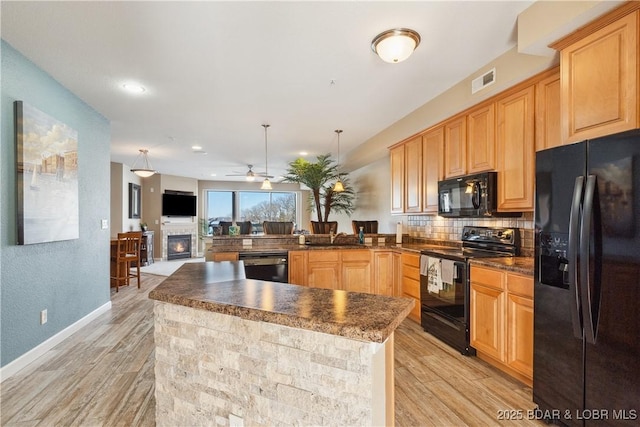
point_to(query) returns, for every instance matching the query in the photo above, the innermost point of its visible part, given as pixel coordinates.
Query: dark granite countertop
(221, 287)
(407, 247)
(519, 264)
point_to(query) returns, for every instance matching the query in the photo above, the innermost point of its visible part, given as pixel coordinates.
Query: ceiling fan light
(145, 171)
(250, 177)
(395, 45)
(266, 184)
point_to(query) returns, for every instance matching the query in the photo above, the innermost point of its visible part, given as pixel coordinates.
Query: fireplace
(178, 246)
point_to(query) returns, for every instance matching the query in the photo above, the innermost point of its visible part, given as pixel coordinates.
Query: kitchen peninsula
(271, 353)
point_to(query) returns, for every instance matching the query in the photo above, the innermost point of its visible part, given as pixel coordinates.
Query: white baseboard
(12, 368)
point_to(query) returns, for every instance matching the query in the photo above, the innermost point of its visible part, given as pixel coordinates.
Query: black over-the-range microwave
(471, 196)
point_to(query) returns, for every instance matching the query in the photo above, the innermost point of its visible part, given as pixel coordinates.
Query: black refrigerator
(586, 365)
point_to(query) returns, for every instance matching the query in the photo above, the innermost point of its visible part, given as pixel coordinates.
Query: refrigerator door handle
(590, 301)
(574, 239)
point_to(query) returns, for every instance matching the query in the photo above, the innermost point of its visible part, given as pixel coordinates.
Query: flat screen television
(178, 205)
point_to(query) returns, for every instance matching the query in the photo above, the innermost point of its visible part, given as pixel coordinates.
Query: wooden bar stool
(127, 251)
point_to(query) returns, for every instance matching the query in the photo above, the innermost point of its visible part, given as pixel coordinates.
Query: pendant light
(266, 184)
(146, 170)
(395, 45)
(338, 187)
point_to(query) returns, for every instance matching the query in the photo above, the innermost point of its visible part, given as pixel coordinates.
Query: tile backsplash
(435, 227)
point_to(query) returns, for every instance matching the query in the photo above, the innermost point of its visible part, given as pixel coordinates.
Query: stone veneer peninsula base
(271, 353)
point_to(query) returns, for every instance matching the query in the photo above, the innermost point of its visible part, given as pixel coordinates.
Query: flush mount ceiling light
(395, 45)
(338, 186)
(133, 88)
(145, 170)
(266, 184)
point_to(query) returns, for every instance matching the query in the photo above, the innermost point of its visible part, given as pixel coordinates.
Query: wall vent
(487, 79)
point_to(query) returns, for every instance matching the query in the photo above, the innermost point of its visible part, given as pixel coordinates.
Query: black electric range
(444, 281)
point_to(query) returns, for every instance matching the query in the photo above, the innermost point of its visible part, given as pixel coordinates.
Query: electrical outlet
(235, 421)
(104, 224)
(43, 316)
(247, 242)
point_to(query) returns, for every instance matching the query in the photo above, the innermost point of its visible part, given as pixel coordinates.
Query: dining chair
(127, 252)
(369, 227)
(277, 227)
(325, 227)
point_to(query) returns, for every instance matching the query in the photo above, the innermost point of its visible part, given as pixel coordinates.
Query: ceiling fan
(250, 175)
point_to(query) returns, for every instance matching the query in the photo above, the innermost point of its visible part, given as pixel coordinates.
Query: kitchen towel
(447, 271)
(424, 265)
(434, 283)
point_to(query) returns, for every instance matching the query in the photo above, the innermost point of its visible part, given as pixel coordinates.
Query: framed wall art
(134, 200)
(47, 177)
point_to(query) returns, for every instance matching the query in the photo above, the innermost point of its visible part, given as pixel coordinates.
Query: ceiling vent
(487, 79)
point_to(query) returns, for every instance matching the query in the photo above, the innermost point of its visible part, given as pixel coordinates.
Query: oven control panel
(507, 236)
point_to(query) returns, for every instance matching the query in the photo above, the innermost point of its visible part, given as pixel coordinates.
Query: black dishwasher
(270, 266)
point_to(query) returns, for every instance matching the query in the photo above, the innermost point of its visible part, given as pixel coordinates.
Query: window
(254, 206)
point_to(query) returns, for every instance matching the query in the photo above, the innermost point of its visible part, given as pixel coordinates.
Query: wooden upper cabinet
(455, 147)
(481, 141)
(396, 155)
(432, 145)
(515, 150)
(600, 80)
(413, 175)
(548, 128)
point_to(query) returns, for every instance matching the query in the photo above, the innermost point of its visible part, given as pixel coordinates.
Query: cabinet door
(411, 282)
(397, 274)
(520, 334)
(432, 147)
(413, 175)
(548, 128)
(383, 272)
(481, 140)
(515, 149)
(324, 269)
(600, 81)
(455, 147)
(396, 155)
(356, 270)
(298, 267)
(487, 320)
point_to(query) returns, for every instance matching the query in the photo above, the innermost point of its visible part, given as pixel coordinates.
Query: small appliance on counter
(445, 286)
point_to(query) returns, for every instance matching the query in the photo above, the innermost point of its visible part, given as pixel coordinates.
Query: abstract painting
(47, 169)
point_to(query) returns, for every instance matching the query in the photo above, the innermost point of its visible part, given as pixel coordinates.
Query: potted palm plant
(320, 177)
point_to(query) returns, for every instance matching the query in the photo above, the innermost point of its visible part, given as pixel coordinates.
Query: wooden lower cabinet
(323, 269)
(502, 320)
(297, 267)
(377, 271)
(411, 282)
(356, 271)
(384, 270)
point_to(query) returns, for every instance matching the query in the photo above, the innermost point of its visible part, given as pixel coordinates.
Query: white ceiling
(215, 71)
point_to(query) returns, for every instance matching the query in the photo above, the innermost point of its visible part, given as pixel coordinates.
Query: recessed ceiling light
(303, 153)
(133, 88)
(214, 174)
(196, 147)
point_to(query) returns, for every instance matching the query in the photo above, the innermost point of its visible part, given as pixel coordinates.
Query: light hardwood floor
(103, 376)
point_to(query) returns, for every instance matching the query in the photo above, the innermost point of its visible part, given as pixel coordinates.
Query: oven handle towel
(424, 265)
(447, 271)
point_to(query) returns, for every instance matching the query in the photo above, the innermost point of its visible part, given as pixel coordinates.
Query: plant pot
(324, 227)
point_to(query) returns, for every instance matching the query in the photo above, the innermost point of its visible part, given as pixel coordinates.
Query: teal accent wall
(69, 278)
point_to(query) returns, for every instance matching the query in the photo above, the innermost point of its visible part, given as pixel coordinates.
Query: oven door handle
(441, 319)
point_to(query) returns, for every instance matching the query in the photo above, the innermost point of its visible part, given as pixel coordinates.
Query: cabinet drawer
(410, 261)
(520, 285)
(487, 277)
(324, 256)
(356, 255)
(411, 287)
